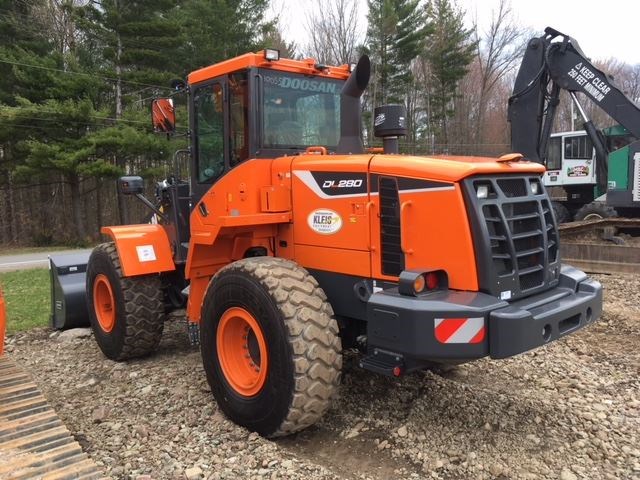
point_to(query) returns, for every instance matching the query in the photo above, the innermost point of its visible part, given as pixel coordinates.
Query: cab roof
(248, 60)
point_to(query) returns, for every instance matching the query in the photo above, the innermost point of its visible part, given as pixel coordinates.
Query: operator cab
(251, 107)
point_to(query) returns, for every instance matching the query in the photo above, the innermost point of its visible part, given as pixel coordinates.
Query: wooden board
(601, 258)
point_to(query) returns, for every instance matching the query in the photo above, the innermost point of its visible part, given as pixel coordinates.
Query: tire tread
(313, 336)
(144, 309)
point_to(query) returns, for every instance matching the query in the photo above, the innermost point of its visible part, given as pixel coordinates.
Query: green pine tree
(396, 36)
(138, 45)
(216, 31)
(449, 52)
(382, 21)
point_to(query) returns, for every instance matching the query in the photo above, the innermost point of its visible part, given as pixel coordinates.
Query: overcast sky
(602, 28)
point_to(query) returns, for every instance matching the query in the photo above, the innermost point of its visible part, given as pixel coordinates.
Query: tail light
(415, 282)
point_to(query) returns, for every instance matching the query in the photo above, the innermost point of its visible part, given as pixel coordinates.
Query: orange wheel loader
(289, 242)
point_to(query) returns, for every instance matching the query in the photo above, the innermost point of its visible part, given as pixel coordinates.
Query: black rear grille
(513, 187)
(515, 235)
(391, 250)
(502, 260)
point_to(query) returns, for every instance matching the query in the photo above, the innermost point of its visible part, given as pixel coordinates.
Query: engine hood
(441, 168)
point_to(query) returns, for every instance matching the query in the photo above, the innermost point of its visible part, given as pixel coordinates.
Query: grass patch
(28, 298)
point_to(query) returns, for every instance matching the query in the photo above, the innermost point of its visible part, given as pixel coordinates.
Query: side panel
(243, 209)
(330, 203)
(143, 249)
(628, 197)
(434, 230)
(335, 260)
(619, 169)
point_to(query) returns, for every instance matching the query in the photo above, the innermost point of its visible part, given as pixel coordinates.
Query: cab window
(239, 124)
(554, 154)
(300, 111)
(209, 126)
(578, 148)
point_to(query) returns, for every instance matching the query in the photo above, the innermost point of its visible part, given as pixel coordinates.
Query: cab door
(210, 131)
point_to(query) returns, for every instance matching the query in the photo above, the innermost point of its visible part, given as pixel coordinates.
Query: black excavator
(598, 171)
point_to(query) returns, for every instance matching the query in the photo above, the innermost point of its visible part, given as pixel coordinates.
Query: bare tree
(335, 30)
(499, 50)
(630, 81)
(56, 20)
(278, 36)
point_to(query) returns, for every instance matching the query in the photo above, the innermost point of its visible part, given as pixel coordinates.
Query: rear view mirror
(163, 115)
(131, 185)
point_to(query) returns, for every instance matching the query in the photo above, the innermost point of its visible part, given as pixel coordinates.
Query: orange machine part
(351, 230)
(271, 203)
(3, 321)
(435, 236)
(337, 260)
(242, 351)
(449, 168)
(143, 249)
(243, 210)
(249, 60)
(104, 303)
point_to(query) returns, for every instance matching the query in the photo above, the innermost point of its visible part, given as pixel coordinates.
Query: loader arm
(547, 67)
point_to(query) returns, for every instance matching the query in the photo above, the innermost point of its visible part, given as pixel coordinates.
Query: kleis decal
(324, 221)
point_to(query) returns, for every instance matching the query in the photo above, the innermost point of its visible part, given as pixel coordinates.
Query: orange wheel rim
(242, 351)
(104, 303)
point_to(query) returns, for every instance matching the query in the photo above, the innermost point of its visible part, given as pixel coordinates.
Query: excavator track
(34, 443)
(610, 245)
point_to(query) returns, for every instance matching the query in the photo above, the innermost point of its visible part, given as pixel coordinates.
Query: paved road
(30, 260)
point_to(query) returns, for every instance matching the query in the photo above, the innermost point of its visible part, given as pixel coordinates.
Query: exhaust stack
(350, 114)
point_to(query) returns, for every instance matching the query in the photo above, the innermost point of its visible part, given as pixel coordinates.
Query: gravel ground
(567, 411)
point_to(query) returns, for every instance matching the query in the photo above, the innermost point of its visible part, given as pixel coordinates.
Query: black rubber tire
(302, 338)
(561, 212)
(138, 303)
(595, 211)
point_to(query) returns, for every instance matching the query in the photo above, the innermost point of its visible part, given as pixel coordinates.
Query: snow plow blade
(68, 290)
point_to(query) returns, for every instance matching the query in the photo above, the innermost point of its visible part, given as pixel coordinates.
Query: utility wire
(131, 82)
(78, 122)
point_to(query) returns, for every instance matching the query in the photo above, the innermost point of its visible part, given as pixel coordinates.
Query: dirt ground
(566, 411)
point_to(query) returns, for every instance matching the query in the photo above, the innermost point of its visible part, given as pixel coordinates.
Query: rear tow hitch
(384, 362)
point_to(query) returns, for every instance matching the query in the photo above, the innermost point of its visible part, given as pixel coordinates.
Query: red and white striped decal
(460, 330)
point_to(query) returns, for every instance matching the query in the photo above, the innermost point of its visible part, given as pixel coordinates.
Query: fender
(143, 249)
